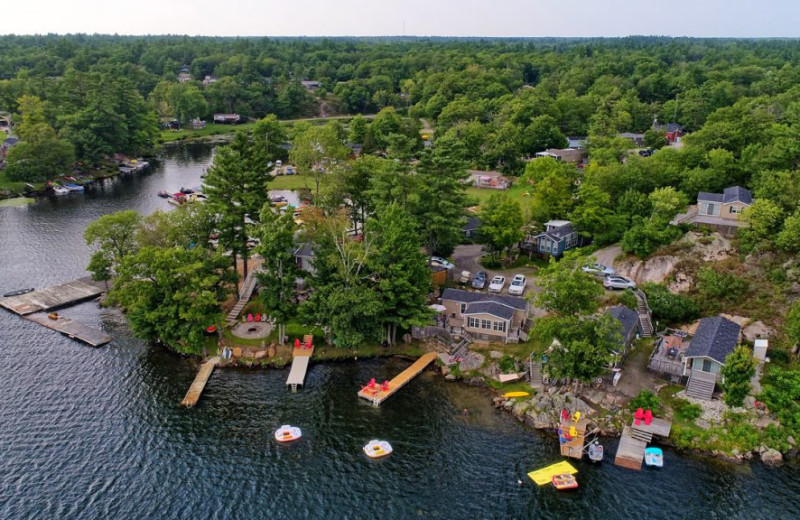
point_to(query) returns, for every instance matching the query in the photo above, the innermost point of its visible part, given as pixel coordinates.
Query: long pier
(297, 374)
(379, 396)
(33, 306)
(199, 384)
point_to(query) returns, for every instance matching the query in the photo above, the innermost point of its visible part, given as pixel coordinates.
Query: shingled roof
(715, 338)
(493, 308)
(737, 194)
(627, 318)
(474, 296)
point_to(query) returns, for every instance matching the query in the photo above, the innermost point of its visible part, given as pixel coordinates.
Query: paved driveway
(607, 255)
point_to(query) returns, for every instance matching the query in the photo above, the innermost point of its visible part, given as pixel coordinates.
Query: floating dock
(634, 440)
(379, 396)
(53, 297)
(297, 374)
(199, 384)
(545, 475)
(72, 329)
(574, 446)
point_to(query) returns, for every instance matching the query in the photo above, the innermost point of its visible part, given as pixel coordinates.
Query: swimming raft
(287, 433)
(545, 475)
(376, 449)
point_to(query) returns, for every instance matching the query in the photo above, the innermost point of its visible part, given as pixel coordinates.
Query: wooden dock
(379, 396)
(634, 441)
(300, 360)
(199, 384)
(53, 297)
(72, 329)
(573, 447)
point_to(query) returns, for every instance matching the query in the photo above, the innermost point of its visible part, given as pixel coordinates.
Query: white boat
(287, 433)
(60, 190)
(376, 449)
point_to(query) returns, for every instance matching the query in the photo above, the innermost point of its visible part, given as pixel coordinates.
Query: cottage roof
(628, 319)
(473, 223)
(304, 250)
(10, 141)
(709, 197)
(493, 308)
(470, 297)
(715, 338)
(557, 232)
(737, 194)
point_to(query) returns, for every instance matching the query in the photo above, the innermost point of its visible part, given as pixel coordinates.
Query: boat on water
(164, 194)
(17, 292)
(60, 190)
(595, 452)
(376, 449)
(654, 457)
(564, 481)
(71, 186)
(287, 433)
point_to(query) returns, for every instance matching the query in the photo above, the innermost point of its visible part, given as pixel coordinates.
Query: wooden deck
(199, 384)
(72, 329)
(53, 297)
(400, 380)
(630, 452)
(658, 427)
(300, 360)
(574, 447)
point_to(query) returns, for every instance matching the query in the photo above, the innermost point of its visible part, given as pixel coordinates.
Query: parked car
(278, 163)
(479, 282)
(618, 282)
(498, 282)
(438, 260)
(599, 270)
(289, 170)
(517, 286)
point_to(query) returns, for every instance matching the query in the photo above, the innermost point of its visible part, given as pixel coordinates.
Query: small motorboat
(376, 449)
(564, 481)
(287, 433)
(595, 452)
(654, 457)
(60, 190)
(71, 186)
(164, 194)
(17, 293)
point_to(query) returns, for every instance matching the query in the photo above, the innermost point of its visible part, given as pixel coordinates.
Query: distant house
(486, 317)
(227, 119)
(718, 210)
(488, 179)
(558, 236)
(576, 142)
(209, 80)
(638, 139)
(714, 339)
(572, 155)
(628, 328)
(471, 228)
(304, 256)
(184, 75)
(310, 84)
(672, 131)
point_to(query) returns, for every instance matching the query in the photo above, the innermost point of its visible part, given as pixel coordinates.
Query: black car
(480, 280)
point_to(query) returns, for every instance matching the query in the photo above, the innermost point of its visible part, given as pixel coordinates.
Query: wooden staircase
(645, 322)
(461, 348)
(244, 297)
(701, 386)
(536, 375)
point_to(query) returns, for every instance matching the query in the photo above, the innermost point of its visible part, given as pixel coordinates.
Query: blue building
(558, 236)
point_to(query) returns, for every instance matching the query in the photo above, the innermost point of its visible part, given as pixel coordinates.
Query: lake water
(99, 433)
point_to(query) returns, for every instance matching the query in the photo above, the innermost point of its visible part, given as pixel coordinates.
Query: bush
(720, 286)
(490, 263)
(669, 307)
(645, 400)
(507, 364)
(738, 371)
(687, 411)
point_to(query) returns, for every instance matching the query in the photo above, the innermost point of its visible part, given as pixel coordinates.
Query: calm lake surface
(99, 433)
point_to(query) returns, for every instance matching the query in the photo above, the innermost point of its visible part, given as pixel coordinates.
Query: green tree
(654, 139)
(764, 218)
(738, 370)
(501, 223)
(584, 347)
(315, 149)
(593, 216)
(358, 129)
(399, 270)
(566, 289)
(670, 307)
(789, 237)
(114, 235)
(279, 273)
(187, 102)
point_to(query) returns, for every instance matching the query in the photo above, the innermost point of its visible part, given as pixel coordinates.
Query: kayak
(516, 394)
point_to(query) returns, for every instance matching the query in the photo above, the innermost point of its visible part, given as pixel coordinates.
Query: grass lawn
(481, 195)
(6, 184)
(210, 129)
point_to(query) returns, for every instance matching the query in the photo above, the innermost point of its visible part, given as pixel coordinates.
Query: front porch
(667, 357)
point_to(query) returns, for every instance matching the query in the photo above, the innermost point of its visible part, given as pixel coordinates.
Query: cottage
(715, 338)
(208, 80)
(311, 85)
(672, 131)
(304, 256)
(227, 119)
(638, 139)
(488, 179)
(628, 329)
(485, 317)
(559, 236)
(571, 155)
(718, 210)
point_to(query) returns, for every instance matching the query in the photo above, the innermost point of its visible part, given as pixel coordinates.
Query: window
(706, 365)
(735, 209)
(463, 307)
(473, 322)
(499, 326)
(486, 324)
(711, 209)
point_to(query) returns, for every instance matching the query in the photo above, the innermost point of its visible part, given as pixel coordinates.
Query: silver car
(599, 270)
(618, 282)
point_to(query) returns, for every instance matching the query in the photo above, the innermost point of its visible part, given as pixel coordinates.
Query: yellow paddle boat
(376, 449)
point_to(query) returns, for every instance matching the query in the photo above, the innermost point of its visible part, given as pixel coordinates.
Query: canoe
(516, 394)
(17, 293)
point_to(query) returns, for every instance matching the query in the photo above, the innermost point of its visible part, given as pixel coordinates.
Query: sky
(529, 18)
